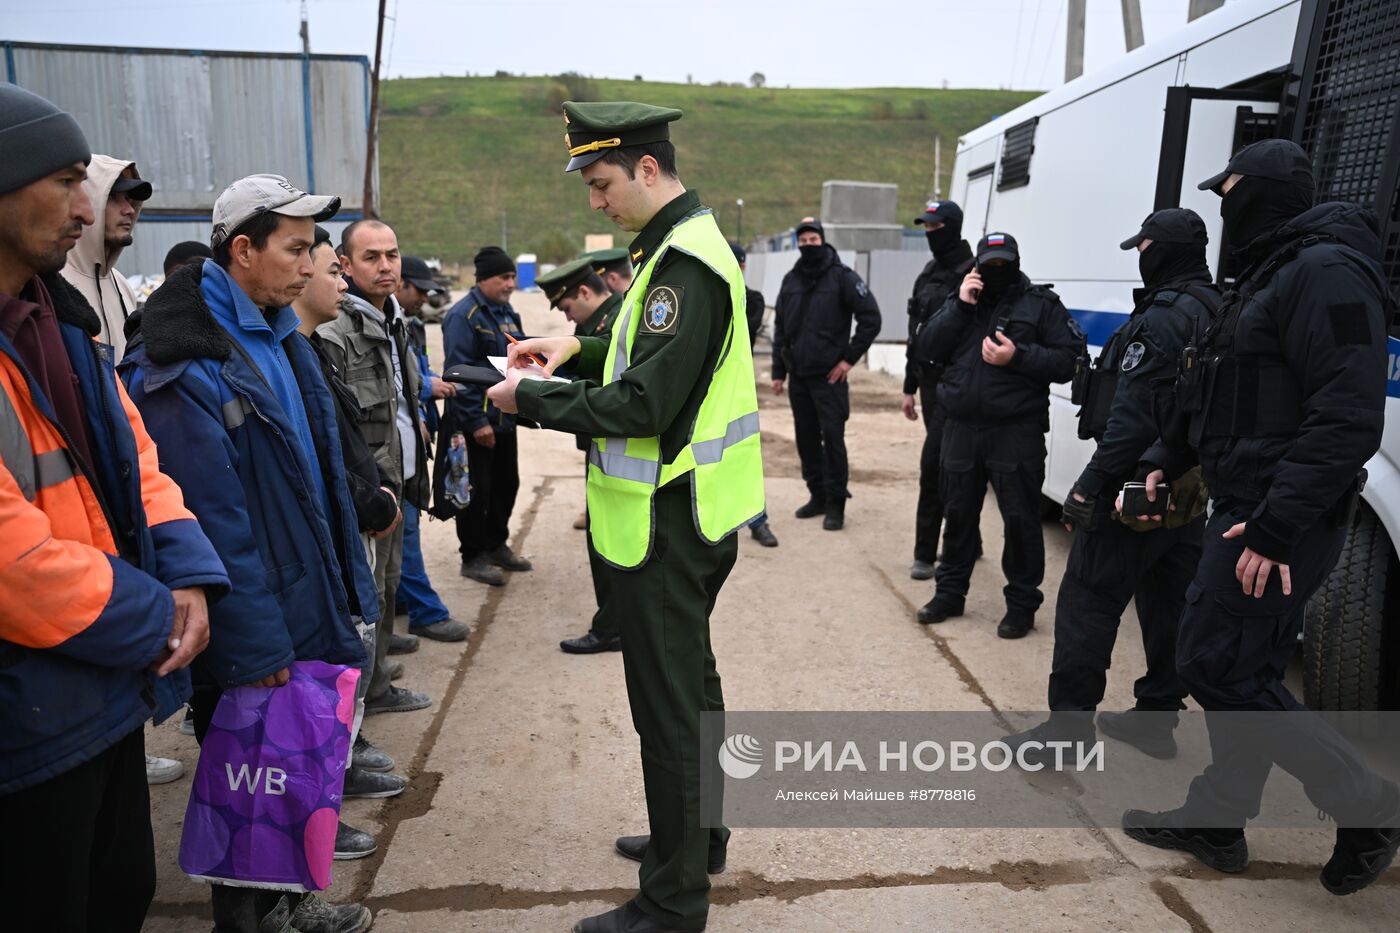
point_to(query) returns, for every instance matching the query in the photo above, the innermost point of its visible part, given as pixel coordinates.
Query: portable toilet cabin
(525, 265)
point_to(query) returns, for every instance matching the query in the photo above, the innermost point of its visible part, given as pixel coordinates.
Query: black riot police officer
(1002, 341)
(951, 262)
(1285, 398)
(1110, 563)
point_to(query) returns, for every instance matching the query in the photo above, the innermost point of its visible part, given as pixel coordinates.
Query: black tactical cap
(1279, 159)
(1172, 225)
(810, 223)
(556, 282)
(594, 128)
(998, 246)
(416, 272)
(941, 212)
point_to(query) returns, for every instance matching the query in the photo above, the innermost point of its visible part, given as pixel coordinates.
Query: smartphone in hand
(1135, 501)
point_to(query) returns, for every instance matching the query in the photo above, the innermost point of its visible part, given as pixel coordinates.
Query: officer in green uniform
(577, 289)
(614, 267)
(674, 471)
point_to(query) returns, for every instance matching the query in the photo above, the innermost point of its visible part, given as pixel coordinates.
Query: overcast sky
(803, 43)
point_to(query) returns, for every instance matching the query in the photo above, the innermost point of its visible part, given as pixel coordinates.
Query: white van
(1074, 172)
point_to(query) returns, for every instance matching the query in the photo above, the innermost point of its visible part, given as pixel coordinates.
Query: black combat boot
(815, 506)
(835, 516)
(1221, 849)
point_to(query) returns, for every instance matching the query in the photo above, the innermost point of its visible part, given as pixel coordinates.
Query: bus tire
(1345, 654)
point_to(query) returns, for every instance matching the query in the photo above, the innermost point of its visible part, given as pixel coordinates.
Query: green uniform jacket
(661, 391)
(599, 324)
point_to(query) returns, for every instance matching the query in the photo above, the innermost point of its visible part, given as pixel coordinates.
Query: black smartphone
(1135, 501)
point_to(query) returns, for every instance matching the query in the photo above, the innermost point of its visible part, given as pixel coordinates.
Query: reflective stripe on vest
(32, 472)
(722, 455)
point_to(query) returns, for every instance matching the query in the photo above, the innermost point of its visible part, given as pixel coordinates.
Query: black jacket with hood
(1321, 316)
(812, 323)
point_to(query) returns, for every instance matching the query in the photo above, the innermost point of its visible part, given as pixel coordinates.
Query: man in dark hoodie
(952, 260)
(1002, 341)
(814, 348)
(1286, 402)
(1111, 564)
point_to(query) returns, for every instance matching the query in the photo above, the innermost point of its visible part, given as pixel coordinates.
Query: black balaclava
(1161, 263)
(811, 255)
(942, 240)
(996, 280)
(1255, 207)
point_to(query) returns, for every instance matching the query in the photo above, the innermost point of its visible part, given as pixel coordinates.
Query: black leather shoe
(920, 570)
(835, 518)
(1060, 727)
(366, 756)
(1016, 624)
(1148, 731)
(815, 506)
(482, 570)
(629, 918)
(940, 609)
(590, 642)
(635, 848)
(764, 535)
(1221, 849)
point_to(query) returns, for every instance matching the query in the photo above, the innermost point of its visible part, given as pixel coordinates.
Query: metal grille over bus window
(1350, 113)
(1017, 147)
(1354, 100)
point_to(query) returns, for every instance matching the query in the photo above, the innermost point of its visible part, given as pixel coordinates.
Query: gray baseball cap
(257, 194)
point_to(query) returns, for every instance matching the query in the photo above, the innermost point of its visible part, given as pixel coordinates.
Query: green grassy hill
(456, 152)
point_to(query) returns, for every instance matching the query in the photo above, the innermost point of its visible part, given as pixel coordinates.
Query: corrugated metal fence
(194, 121)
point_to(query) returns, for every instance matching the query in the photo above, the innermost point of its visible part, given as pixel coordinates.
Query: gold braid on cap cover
(594, 146)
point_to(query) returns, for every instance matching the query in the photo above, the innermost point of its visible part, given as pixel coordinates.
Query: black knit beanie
(36, 138)
(491, 262)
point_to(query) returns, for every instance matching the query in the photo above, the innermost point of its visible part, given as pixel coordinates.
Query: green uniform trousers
(663, 612)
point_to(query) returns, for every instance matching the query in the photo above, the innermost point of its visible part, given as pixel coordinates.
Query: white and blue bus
(1074, 172)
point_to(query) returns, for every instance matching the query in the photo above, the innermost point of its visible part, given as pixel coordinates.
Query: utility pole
(371, 142)
(305, 30)
(1199, 8)
(938, 168)
(739, 235)
(1074, 40)
(1132, 24)
(504, 248)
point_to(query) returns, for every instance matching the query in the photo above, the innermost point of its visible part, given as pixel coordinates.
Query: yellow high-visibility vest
(722, 455)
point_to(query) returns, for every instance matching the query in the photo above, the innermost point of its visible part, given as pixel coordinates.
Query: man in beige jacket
(117, 192)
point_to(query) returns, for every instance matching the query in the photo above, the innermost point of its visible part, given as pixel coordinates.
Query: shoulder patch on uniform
(861, 289)
(1133, 355)
(1075, 329)
(662, 309)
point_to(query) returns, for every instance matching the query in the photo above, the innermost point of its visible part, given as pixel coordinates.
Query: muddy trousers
(1011, 457)
(1231, 653)
(662, 610)
(1110, 566)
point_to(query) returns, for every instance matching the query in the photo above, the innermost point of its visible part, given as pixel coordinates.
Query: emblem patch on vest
(1133, 356)
(661, 310)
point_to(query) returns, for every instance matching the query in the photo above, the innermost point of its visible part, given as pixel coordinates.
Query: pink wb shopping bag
(266, 796)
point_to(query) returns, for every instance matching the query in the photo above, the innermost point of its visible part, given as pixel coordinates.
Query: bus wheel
(1347, 657)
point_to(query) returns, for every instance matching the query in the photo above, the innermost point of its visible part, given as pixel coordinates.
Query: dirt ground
(526, 766)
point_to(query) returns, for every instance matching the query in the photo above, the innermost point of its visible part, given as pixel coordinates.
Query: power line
(1050, 46)
(1035, 35)
(1016, 46)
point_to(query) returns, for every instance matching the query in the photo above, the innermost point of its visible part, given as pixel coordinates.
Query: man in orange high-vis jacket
(103, 571)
